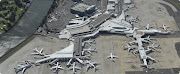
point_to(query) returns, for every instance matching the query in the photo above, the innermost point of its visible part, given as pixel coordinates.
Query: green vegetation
(10, 11)
(175, 2)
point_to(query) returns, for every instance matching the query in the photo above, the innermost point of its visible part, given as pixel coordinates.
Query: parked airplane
(52, 19)
(74, 68)
(128, 47)
(57, 66)
(148, 26)
(89, 50)
(149, 39)
(22, 67)
(132, 19)
(91, 64)
(112, 57)
(165, 27)
(153, 46)
(74, 59)
(38, 52)
(131, 6)
(88, 41)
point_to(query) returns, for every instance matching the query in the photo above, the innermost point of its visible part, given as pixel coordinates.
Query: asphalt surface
(177, 46)
(26, 26)
(157, 71)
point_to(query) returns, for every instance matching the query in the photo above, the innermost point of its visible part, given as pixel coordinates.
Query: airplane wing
(41, 50)
(69, 62)
(35, 49)
(87, 68)
(94, 63)
(16, 70)
(115, 56)
(108, 57)
(70, 68)
(34, 53)
(60, 67)
(53, 67)
(24, 69)
(21, 66)
(78, 68)
(89, 52)
(80, 61)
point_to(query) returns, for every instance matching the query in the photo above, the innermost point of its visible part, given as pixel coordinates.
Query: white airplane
(112, 57)
(52, 19)
(57, 66)
(38, 52)
(74, 68)
(128, 47)
(89, 50)
(89, 42)
(165, 27)
(69, 62)
(149, 39)
(148, 26)
(73, 59)
(153, 46)
(22, 67)
(91, 65)
(132, 19)
(131, 6)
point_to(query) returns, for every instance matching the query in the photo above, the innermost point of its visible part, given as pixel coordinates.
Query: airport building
(83, 9)
(111, 5)
(127, 1)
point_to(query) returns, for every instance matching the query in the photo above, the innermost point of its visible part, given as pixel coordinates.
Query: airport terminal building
(83, 9)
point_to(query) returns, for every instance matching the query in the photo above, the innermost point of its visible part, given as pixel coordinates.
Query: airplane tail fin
(96, 68)
(16, 70)
(142, 65)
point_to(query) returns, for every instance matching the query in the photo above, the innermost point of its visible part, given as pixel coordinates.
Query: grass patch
(3, 26)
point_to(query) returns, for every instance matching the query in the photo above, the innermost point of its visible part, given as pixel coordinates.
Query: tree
(18, 3)
(1, 15)
(11, 8)
(27, 1)
(12, 18)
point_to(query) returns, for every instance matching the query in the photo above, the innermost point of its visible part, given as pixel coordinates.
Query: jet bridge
(78, 46)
